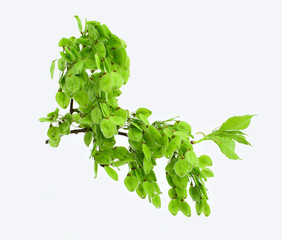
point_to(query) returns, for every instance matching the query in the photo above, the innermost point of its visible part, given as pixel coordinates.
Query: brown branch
(82, 130)
(71, 106)
(123, 134)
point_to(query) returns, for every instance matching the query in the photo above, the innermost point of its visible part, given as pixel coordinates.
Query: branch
(82, 130)
(123, 134)
(71, 106)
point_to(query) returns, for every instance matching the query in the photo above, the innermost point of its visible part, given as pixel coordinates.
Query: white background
(202, 60)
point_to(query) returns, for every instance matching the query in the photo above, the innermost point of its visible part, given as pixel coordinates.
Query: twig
(71, 106)
(82, 130)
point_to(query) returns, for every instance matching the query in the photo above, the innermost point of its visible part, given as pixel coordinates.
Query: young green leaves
(229, 132)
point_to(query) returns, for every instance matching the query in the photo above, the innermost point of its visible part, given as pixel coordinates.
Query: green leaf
(68, 117)
(172, 193)
(93, 33)
(90, 63)
(103, 158)
(121, 113)
(61, 64)
(184, 136)
(183, 127)
(147, 166)
(102, 32)
(98, 61)
(86, 51)
(45, 119)
(175, 143)
(73, 83)
(117, 80)
(54, 144)
(191, 158)
(135, 135)
(66, 57)
(52, 69)
(96, 115)
(205, 160)
(239, 139)
(143, 119)
(236, 123)
(228, 134)
(106, 82)
(101, 50)
(119, 56)
(76, 117)
(194, 193)
(75, 52)
(149, 140)
(108, 128)
(106, 29)
(131, 183)
(146, 112)
(88, 138)
(81, 97)
(156, 135)
(227, 147)
(69, 54)
(121, 153)
(114, 41)
(112, 173)
(185, 208)
(180, 181)
(53, 133)
(54, 115)
(105, 109)
(141, 192)
(173, 207)
(107, 66)
(181, 192)
(156, 201)
(118, 120)
(181, 167)
(95, 169)
(147, 152)
(84, 41)
(207, 210)
(168, 152)
(152, 176)
(64, 128)
(63, 42)
(149, 188)
(207, 172)
(86, 120)
(199, 207)
(76, 68)
(78, 23)
(62, 100)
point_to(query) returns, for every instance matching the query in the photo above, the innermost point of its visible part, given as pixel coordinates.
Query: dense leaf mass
(92, 69)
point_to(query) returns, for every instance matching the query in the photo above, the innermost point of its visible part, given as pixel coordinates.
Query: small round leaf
(131, 183)
(181, 167)
(106, 82)
(173, 207)
(185, 209)
(82, 98)
(62, 100)
(108, 128)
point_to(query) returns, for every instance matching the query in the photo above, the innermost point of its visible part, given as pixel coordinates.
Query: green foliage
(93, 68)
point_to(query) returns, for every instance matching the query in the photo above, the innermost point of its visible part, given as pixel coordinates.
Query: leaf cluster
(92, 69)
